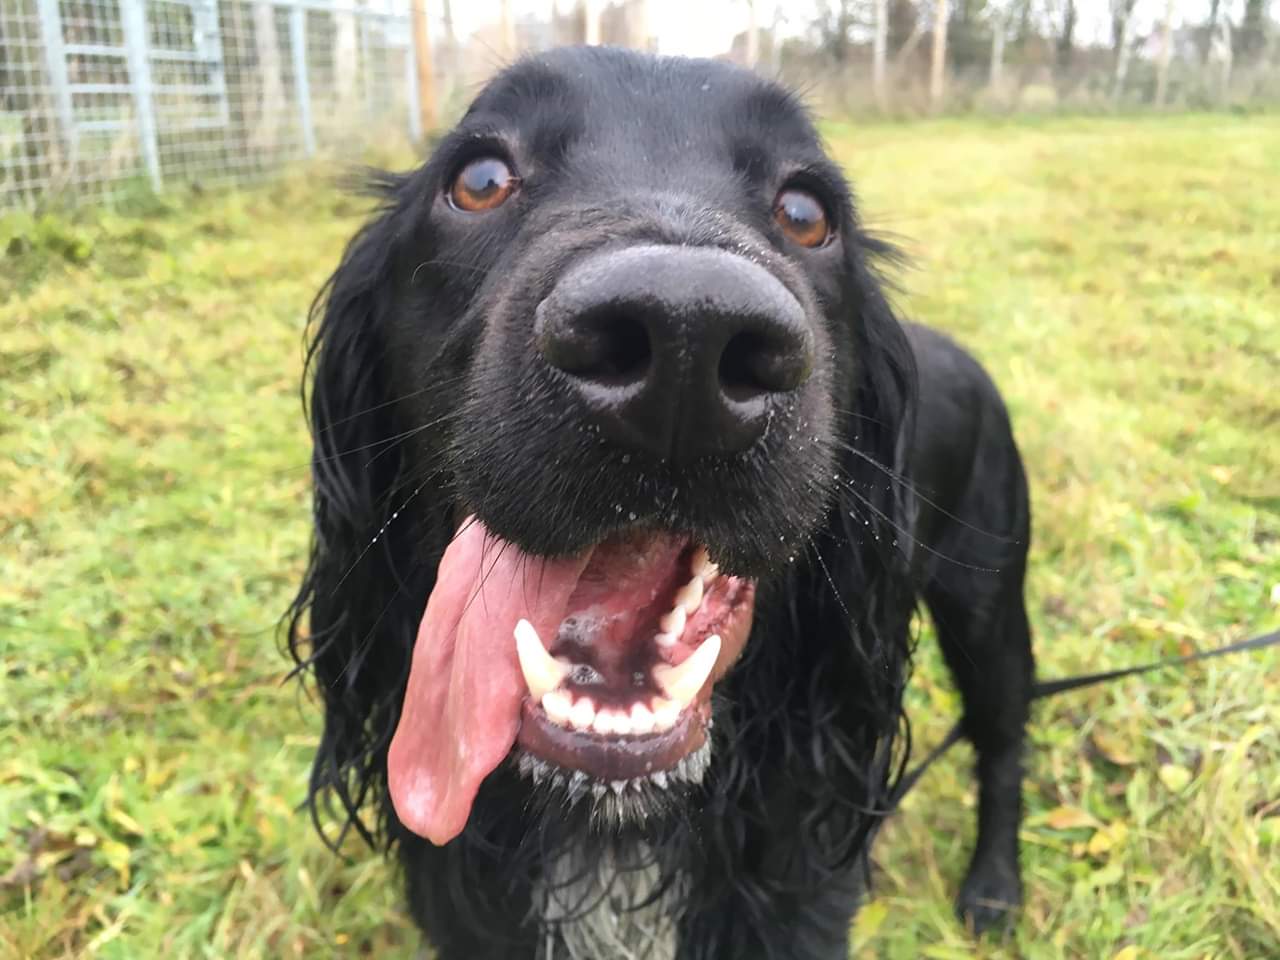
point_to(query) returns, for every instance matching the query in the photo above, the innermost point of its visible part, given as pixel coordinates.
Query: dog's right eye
(481, 185)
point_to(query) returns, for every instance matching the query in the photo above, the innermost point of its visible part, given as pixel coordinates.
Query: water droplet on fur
(631, 516)
(626, 458)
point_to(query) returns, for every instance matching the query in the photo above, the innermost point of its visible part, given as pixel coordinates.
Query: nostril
(608, 346)
(754, 363)
(624, 352)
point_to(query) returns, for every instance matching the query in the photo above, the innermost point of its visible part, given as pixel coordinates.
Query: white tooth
(583, 714)
(542, 672)
(665, 639)
(622, 723)
(673, 622)
(604, 722)
(682, 683)
(557, 705)
(665, 713)
(703, 567)
(690, 596)
(641, 719)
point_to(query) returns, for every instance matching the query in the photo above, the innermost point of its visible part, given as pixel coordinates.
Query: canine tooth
(682, 683)
(665, 713)
(702, 566)
(542, 672)
(604, 724)
(673, 622)
(641, 719)
(583, 714)
(690, 596)
(665, 639)
(557, 705)
(659, 779)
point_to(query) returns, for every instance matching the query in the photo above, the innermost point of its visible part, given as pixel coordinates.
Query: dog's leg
(982, 625)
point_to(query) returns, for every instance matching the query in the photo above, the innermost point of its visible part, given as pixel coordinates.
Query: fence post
(302, 82)
(56, 63)
(422, 94)
(133, 17)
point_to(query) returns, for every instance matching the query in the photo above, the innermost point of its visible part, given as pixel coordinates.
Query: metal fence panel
(99, 95)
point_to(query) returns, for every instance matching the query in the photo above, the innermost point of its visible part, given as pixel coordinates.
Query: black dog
(612, 389)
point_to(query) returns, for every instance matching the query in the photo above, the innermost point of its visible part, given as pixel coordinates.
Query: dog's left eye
(481, 185)
(802, 217)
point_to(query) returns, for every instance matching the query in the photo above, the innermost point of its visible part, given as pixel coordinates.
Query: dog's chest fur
(593, 907)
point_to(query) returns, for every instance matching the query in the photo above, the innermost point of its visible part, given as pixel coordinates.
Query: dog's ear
(353, 621)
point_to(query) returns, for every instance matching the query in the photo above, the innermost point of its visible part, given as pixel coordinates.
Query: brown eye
(801, 217)
(483, 184)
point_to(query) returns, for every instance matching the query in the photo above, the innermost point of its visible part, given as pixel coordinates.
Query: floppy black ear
(353, 621)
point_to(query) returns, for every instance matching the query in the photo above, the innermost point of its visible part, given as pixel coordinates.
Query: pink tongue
(462, 705)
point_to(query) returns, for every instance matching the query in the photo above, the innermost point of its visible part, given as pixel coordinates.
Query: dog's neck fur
(595, 906)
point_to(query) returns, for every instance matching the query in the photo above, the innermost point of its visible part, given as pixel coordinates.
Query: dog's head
(609, 380)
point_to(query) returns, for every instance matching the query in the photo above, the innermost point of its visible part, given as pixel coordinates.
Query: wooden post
(56, 63)
(879, 51)
(937, 74)
(591, 22)
(995, 78)
(271, 97)
(426, 86)
(1166, 53)
(507, 25)
(133, 20)
(301, 75)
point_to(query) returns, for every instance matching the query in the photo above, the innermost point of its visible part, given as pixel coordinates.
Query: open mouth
(594, 670)
(622, 689)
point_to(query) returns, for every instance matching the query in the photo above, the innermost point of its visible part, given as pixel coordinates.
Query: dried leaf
(1069, 818)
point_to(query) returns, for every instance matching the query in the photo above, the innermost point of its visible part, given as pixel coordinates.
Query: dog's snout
(677, 351)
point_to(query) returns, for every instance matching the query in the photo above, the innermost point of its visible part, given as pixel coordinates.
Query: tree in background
(1122, 21)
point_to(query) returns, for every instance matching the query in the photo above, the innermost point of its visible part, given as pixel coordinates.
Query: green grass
(1121, 278)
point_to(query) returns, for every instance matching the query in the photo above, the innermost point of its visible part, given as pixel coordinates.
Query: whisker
(400, 438)
(381, 530)
(817, 553)
(363, 645)
(438, 384)
(915, 492)
(909, 536)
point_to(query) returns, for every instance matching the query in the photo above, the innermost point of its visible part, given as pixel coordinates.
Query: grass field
(1121, 278)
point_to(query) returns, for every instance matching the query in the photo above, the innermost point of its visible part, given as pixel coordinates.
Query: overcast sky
(706, 27)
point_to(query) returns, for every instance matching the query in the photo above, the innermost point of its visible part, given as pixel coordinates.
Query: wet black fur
(893, 476)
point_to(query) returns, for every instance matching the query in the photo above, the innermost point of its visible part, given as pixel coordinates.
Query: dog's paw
(990, 896)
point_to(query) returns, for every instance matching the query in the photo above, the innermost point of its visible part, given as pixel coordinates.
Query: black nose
(677, 351)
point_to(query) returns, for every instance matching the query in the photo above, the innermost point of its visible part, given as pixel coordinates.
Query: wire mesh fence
(99, 95)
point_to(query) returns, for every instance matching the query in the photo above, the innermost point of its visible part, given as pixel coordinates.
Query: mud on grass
(1121, 279)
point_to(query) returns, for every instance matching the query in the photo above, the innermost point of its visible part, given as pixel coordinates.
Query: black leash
(1049, 688)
